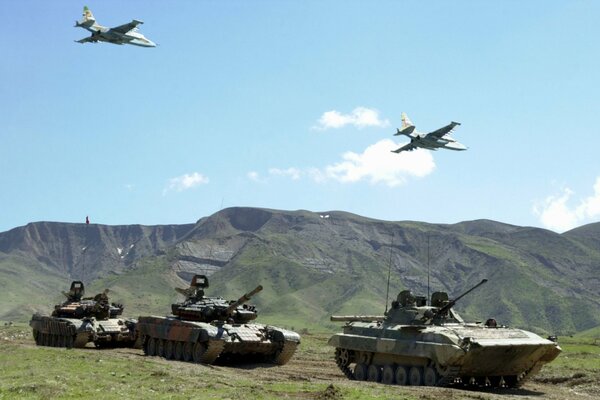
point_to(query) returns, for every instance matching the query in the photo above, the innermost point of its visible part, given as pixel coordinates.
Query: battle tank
(416, 344)
(204, 329)
(81, 320)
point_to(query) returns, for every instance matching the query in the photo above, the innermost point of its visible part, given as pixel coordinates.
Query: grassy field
(31, 372)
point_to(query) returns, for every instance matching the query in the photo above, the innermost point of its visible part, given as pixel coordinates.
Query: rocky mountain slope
(311, 265)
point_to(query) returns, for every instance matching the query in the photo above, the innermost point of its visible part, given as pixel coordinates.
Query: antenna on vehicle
(387, 291)
(428, 299)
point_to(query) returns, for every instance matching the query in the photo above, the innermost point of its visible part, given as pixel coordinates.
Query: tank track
(343, 367)
(285, 353)
(525, 376)
(449, 377)
(213, 350)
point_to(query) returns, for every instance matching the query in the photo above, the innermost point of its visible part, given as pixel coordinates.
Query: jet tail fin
(406, 122)
(88, 19)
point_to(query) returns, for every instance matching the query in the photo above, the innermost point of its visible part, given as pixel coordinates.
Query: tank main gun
(229, 310)
(361, 318)
(451, 303)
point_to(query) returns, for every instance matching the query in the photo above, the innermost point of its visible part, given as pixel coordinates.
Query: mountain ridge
(313, 264)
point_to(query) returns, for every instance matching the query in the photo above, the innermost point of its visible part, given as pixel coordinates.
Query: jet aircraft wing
(123, 29)
(406, 147)
(87, 39)
(443, 131)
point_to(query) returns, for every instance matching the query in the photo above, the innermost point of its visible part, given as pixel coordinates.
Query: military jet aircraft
(431, 141)
(122, 34)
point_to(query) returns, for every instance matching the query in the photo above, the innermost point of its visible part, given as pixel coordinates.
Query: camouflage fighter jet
(122, 34)
(431, 141)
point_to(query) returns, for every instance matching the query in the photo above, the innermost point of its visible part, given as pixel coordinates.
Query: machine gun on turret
(229, 310)
(444, 309)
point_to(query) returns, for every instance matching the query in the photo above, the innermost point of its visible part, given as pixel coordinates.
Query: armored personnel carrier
(81, 320)
(416, 344)
(204, 329)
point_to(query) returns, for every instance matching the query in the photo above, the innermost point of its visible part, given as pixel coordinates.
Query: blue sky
(292, 105)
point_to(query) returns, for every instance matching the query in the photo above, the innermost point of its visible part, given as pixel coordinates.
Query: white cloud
(555, 213)
(376, 164)
(360, 117)
(185, 182)
(254, 176)
(293, 173)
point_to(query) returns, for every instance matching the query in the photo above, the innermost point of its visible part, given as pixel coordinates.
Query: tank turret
(197, 307)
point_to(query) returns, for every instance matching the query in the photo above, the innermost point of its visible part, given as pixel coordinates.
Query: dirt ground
(313, 364)
(307, 367)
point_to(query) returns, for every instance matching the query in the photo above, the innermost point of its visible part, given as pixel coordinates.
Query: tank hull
(73, 332)
(441, 355)
(174, 338)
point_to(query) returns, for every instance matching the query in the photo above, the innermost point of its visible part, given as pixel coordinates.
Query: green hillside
(311, 267)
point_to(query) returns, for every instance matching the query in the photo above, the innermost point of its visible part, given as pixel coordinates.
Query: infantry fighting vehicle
(81, 320)
(203, 329)
(431, 345)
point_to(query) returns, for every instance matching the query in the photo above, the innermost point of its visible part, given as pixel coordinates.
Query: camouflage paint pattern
(204, 329)
(79, 321)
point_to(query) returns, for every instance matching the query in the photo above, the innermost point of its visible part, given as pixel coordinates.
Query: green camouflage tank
(416, 344)
(81, 320)
(204, 329)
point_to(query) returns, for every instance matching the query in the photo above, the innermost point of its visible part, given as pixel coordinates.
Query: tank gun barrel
(451, 304)
(242, 300)
(361, 318)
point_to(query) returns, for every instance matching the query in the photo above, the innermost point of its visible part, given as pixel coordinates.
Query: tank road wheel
(374, 373)
(198, 352)
(512, 381)
(360, 372)
(152, 346)
(70, 341)
(188, 351)
(169, 349)
(494, 381)
(145, 344)
(178, 352)
(387, 375)
(401, 375)
(415, 376)
(36, 336)
(160, 349)
(430, 376)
